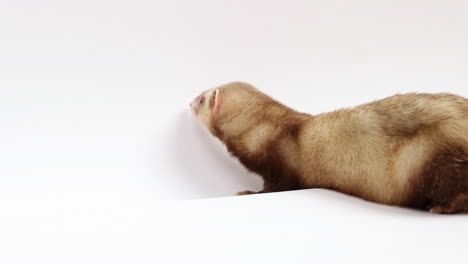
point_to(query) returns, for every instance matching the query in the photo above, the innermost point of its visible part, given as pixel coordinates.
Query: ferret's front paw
(442, 210)
(246, 192)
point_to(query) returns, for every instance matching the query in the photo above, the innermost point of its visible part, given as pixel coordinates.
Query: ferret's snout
(192, 105)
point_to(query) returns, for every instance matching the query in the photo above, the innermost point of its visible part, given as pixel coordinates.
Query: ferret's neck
(268, 117)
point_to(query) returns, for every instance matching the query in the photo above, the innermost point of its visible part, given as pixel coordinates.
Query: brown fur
(407, 150)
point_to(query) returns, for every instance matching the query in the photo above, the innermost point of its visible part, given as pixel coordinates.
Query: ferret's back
(373, 150)
(404, 115)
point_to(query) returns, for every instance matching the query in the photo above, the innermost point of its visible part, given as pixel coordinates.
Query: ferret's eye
(202, 100)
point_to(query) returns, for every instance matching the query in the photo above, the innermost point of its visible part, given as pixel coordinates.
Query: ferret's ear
(216, 103)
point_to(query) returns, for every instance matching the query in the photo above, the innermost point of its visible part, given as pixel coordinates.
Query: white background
(101, 160)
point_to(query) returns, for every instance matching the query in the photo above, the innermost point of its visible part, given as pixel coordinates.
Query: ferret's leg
(457, 205)
(289, 184)
(445, 182)
(266, 189)
(246, 193)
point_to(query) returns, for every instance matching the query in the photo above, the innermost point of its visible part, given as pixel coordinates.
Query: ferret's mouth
(194, 108)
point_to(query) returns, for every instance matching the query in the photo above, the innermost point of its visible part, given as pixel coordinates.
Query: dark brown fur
(269, 163)
(443, 183)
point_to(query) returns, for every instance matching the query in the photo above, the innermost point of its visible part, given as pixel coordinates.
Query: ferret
(407, 150)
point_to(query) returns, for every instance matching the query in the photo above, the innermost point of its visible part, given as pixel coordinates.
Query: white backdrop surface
(100, 157)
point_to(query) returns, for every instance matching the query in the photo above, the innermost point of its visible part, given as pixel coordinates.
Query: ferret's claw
(435, 210)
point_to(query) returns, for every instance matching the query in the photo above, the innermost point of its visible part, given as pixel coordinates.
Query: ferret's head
(229, 109)
(207, 106)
